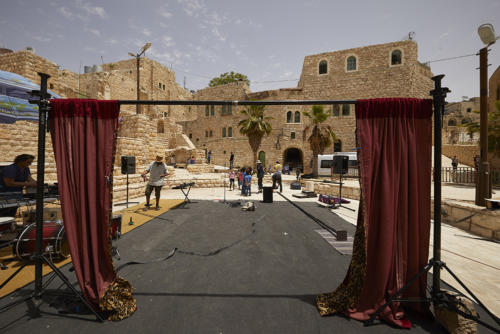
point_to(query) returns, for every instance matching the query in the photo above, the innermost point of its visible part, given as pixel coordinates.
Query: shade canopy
(14, 95)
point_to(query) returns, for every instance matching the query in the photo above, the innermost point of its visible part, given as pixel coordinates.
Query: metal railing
(466, 175)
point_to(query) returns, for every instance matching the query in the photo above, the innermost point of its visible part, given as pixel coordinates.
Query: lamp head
(487, 33)
(145, 47)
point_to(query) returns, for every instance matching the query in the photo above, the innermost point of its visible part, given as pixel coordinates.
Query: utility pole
(483, 187)
(138, 59)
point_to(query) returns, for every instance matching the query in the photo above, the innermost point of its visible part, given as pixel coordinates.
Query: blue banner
(14, 95)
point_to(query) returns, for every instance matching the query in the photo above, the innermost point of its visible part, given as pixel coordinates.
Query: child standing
(248, 182)
(240, 178)
(231, 179)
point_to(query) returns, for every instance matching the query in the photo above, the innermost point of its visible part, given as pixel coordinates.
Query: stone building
(456, 116)
(384, 70)
(152, 132)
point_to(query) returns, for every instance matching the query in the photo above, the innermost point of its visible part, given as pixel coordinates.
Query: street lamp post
(138, 59)
(483, 189)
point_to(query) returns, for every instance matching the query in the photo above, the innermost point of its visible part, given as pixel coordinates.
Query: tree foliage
(493, 128)
(255, 125)
(321, 136)
(228, 77)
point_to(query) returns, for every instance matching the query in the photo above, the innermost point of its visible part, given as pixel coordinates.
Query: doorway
(293, 157)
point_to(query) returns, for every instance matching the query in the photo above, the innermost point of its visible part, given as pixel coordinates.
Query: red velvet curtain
(392, 246)
(83, 137)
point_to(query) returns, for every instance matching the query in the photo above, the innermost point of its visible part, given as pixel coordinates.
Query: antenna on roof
(411, 35)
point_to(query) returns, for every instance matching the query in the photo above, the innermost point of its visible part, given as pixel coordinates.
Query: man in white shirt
(158, 170)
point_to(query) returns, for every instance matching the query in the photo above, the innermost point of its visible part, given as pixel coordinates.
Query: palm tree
(321, 136)
(255, 125)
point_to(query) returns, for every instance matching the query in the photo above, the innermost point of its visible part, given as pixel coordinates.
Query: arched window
(396, 57)
(323, 67)
(452, 122)
(207, 110)
(229, 131)
(289, 117)
(223, 132)
(351, 63)
(337, 146)
(297, 117)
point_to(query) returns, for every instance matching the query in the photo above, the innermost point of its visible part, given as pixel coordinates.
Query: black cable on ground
(176, 250)
(316, 220)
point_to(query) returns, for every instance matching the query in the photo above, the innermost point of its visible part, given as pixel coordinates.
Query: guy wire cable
(316, 220)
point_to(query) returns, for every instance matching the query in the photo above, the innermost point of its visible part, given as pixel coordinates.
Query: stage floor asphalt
(233, 272)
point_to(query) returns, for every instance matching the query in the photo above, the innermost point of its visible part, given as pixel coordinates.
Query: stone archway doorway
(294, 158)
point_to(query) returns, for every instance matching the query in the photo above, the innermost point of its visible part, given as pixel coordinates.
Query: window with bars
(207, 110)
(289, 117)
(212, 110)
(229, 131)
(223, 132)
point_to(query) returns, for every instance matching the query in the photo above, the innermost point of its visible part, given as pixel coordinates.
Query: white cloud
(146, 31)
(66, 12)
(164, 12)
(92, 10)
(192, 7)
(93, 31)
(41, 39)
(217, 34)
(168, 41)
(112, 41)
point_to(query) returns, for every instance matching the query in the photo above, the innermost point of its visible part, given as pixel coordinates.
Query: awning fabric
(14, 95)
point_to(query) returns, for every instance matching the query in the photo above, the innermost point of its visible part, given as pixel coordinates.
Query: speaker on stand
(128, 167)
(341, 166)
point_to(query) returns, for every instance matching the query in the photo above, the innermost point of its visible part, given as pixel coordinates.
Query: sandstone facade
(457, 114)
(373, 75)
(153, 132)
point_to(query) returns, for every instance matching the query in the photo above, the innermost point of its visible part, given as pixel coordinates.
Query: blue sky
(265, 40)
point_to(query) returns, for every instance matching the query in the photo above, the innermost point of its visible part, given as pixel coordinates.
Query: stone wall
(373, 77)
(154, 132)
(464, 153)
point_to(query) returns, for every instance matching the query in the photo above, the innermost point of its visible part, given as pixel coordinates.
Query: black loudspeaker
(340, 164)
(268, 194)
(128, 164)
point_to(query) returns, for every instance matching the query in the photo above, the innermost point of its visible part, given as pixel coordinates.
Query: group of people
(244, 178)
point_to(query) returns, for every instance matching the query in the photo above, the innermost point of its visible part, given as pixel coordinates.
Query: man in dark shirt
(260, 175)
(13, 178)
(231, 161)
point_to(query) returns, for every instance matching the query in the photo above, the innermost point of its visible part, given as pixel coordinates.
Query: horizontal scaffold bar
(234, 103)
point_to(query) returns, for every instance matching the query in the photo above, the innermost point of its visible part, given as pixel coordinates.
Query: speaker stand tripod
(339, 205)
(126, 202)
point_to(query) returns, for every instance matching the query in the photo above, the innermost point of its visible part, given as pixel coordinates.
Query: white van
(325, 162)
